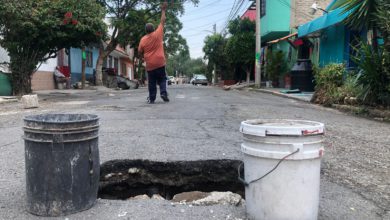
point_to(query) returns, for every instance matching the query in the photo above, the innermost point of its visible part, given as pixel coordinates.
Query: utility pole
(215, 66)
(84, 57)
(258, 45)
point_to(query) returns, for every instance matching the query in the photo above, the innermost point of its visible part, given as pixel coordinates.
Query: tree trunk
(21, 83)
(248, 76)
(99, 73)
(140, 72)
(22, 68)
(103, 53)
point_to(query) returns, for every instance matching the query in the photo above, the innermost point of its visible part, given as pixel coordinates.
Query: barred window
(262, 7)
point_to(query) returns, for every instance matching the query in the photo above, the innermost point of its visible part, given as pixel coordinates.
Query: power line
(214, 13)
(208, 24)
(205, 6)
(235, 5)
(234, 15)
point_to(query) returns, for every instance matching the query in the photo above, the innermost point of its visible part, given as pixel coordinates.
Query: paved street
(203, 123)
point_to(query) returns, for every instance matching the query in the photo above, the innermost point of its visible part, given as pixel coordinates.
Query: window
(201, 77)
(262, 7)
(116, 65)
(89, 60)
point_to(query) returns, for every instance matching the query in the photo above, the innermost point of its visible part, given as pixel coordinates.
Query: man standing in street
(151, 48)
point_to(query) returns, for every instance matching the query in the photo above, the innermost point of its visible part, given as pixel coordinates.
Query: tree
(214, 50)
(382, 17)
(32, 31)
(362, 16)
(128, 18)
(196, 67)
(373, 61)
(178, 62)
(241, 46)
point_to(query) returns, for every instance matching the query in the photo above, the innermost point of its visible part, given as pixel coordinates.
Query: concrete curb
(280, 94)
(8, 100)
(376, 114)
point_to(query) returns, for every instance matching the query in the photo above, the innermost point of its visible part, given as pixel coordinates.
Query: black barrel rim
(33, 118)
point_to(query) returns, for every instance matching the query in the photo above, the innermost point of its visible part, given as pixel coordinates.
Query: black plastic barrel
(62, 163)
(302, 76)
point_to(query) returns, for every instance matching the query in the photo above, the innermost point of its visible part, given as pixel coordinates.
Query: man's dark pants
(157, 76)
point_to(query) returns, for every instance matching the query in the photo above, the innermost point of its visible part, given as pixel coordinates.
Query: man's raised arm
(163, 9)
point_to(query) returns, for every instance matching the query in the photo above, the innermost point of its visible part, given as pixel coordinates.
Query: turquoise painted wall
(332, 48)
(276, 21)
(75, 63)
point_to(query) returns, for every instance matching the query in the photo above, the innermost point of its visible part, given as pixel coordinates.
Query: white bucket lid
(281, 127)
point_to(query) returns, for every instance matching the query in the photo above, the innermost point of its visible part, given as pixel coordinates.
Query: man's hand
(164, 6)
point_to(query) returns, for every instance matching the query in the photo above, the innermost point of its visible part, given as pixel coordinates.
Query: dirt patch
(123, 179)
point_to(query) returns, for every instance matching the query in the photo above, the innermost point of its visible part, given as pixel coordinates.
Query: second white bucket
(282, 168)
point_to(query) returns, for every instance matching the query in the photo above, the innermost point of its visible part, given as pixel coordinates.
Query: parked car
(199, 79)
(171, 80)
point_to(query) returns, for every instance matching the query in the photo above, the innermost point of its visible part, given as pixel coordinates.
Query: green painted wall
(332, 49)
(276, 21)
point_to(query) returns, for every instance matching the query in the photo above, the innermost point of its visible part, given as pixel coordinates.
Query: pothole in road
(126, 179)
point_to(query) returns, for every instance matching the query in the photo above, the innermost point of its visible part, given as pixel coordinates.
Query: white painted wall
(49, 65)
(4, 58)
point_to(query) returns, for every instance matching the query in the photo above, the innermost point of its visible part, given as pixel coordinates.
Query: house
(250, 13)
(336, 41)
(279, 22)
(71, 61)
(121, 60)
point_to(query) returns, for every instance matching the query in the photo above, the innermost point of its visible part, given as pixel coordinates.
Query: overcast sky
(198, 21)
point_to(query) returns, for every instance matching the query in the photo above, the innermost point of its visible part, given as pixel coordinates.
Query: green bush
(328, 82)
(374, 75)
(330, 76)
(276, 65)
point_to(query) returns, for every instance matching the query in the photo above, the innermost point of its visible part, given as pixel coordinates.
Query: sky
(198, 21)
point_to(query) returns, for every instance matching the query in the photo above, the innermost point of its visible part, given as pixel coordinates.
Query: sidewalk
(303, 96)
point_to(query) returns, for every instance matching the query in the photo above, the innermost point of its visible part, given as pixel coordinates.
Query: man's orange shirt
(153, 49)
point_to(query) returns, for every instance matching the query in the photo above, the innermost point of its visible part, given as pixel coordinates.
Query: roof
(282, 39)
(251, 14)
(328, 19)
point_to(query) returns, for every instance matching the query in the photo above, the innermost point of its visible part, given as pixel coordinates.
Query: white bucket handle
(298, 148)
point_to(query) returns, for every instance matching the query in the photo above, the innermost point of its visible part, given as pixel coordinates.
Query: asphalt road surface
(203, 123)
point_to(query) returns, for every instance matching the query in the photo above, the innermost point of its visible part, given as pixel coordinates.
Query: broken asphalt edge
(279, 94)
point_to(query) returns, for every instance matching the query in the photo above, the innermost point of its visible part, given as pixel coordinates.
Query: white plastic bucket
(282, 168)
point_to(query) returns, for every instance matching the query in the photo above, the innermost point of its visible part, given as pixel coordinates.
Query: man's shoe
(165, 97)
(150, 101)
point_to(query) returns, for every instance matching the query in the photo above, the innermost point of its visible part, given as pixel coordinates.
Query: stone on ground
(222, 198)
(204, 199)
(140, 197)
(30, 101)
(158, 197)
(189, 196)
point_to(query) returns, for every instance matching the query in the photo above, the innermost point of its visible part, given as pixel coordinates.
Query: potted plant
(276, 67)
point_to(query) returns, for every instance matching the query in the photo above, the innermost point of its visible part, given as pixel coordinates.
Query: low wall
(42, 80)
